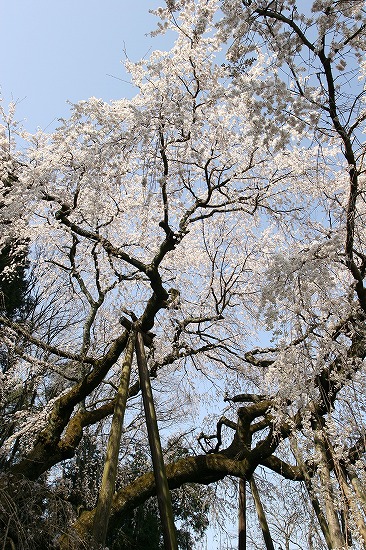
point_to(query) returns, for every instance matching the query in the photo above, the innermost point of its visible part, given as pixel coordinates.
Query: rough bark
(335, 533)
(352, 507)
(203, 469)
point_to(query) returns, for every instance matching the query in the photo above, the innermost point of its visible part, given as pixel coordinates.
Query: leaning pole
(107, 488)
(162, 489)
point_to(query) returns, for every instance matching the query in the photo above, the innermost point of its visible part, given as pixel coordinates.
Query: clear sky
(53, 51)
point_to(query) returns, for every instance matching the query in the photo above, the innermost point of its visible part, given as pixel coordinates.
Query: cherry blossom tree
(221, 212)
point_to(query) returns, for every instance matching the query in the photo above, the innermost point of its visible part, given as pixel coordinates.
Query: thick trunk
(48, 449)
(352, 505)
(198, 469)
(335, 534)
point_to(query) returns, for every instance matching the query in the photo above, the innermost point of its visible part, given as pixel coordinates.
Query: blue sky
(54, 51)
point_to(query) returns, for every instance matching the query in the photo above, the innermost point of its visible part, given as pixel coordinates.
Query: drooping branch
(21, 330)
(333, 111)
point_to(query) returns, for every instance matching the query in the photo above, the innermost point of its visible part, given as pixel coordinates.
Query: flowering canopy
(223, 207)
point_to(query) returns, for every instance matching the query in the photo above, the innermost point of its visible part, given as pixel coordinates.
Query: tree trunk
(162, 489)
(357, 487)
(336, 538)
(107, 488)
(261, 515)
(322, 521)
(318, 512)
(352, 505)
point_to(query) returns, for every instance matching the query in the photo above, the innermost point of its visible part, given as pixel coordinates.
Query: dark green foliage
(141, 529)
(83, 475)
(14, 283)
(16, 301)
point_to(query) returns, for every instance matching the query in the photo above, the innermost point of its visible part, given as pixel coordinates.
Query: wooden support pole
(107, 488)
(242, 540)
(162, 489)
(261, 515)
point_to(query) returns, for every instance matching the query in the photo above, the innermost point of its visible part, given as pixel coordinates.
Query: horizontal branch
(202, 469)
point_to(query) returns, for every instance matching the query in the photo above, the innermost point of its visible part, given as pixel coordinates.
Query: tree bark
(162, 488)
(335, 533)
(319, 513)
(352, 505)
(107, 488)
(357, 487)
